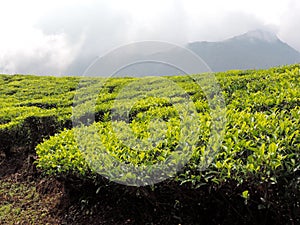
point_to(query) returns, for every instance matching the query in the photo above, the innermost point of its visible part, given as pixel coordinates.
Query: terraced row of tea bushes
(261, 141)
(32, 108)
(256, 145)
(259, 154)
(35, 107)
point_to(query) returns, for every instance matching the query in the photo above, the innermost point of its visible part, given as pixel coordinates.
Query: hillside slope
(256, 49)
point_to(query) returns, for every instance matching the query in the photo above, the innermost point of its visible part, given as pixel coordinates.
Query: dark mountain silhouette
(257, 49)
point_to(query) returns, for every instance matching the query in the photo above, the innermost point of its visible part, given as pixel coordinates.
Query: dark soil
(27, 197)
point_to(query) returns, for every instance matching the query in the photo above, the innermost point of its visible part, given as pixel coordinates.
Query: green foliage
(61, 155)
(261, 142)
(32, 108)
(257, 162)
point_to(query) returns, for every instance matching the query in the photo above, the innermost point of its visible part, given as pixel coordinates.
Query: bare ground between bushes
(27, 197)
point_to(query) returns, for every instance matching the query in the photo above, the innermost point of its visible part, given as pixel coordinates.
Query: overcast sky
(57, 37)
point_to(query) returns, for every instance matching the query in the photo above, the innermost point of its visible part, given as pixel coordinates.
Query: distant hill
(257, 49)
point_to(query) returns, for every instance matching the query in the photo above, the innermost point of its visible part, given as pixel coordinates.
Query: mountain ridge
(256, 49)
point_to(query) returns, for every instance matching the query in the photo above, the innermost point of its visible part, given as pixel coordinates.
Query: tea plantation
(172, 145)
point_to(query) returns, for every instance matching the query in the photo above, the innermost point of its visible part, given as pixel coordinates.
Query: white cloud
(25, 48)
(289, 26)
(59, 37)
(37, 53)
